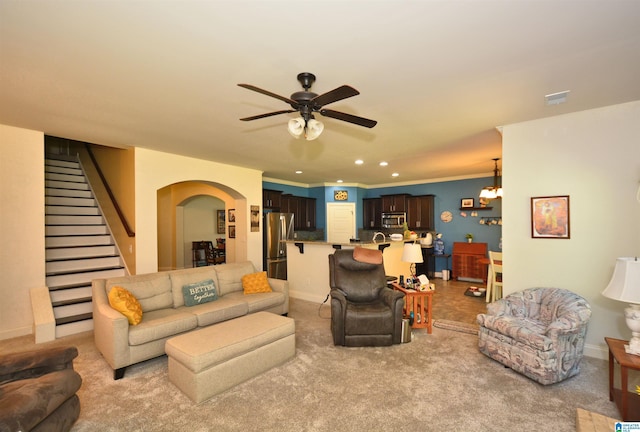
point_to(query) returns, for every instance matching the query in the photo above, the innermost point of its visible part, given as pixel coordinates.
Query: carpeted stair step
(71, 210)
(66, 266)
(68, 230)
(80, 278)
(55, 184)
(78, 240)
(70, 201)
(62, 253)
(67, 192)
(68, 296)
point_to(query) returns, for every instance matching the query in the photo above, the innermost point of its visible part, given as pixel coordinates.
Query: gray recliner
(364, 311)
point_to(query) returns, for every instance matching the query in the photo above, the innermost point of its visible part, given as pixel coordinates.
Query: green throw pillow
(199, 292)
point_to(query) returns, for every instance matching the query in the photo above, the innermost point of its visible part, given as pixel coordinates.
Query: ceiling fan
(306, 103)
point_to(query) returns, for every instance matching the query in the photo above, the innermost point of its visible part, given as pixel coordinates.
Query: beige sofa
(165, 314)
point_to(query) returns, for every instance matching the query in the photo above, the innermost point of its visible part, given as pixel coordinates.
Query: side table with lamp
(625, 286)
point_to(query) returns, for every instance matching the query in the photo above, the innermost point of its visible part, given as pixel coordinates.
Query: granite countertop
(322, 242)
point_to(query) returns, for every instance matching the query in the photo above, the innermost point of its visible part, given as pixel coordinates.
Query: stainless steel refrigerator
(278, 227)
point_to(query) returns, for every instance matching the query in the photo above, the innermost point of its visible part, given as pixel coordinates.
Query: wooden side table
(418, 302)
(628, 404)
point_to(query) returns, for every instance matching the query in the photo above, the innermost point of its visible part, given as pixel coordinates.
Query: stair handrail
(127, 228)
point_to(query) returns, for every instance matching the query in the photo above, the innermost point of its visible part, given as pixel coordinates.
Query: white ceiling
(438, 76)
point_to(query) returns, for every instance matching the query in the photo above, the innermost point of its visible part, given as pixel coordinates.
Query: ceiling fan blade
(268, 93)
(348, 118)
(267, 115)
(334, 95)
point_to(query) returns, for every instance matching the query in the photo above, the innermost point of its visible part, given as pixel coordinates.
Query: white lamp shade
(314, 129)
(625, 282)
(412, 253)
(296, 127)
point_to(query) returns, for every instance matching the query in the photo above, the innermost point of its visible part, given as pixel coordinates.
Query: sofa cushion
(223, 309)
(260, 301)
(180, 278)
(230, 276)
(160, 324)
(153, 291)
(199, 292)
(253, 283)
(124, 302)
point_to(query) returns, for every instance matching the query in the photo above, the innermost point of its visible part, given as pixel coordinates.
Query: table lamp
(412, 253)
(625, 286)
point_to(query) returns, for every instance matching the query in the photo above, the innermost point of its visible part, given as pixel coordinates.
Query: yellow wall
(170, 247)
(594, 157)
(22, 257)
(156, 170)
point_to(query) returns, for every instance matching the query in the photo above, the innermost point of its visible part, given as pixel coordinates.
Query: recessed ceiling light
(383, 163)
(395, 175)
(359, 162)
(339, 181)
(298, 172)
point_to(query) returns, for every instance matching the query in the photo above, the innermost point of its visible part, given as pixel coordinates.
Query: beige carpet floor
(437, 382)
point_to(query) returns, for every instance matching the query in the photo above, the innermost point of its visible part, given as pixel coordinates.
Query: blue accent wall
(447, 197)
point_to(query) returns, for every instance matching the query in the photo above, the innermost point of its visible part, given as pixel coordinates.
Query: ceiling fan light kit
(306, 103)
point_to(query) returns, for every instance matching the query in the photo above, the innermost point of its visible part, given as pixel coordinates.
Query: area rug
(456, 326)
(470, 293)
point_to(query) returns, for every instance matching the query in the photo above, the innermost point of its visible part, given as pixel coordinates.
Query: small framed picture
(232, 231)
(220, 222)
(550, 217)
(466, 203)
(232, 216)
(255, 218)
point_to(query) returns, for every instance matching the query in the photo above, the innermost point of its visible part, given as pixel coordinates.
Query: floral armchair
(538, 332)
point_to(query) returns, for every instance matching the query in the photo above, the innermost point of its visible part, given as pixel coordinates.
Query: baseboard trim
(596, 351)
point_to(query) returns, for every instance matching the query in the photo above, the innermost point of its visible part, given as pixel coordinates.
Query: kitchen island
(308, 265)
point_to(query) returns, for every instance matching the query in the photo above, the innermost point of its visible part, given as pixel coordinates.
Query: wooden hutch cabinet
(466, 260)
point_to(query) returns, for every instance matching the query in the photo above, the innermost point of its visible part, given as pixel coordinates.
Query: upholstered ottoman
(209, 361)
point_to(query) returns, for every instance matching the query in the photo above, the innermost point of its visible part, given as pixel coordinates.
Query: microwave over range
(393, 220)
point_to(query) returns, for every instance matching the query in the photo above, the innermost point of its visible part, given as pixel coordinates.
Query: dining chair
(495, 270)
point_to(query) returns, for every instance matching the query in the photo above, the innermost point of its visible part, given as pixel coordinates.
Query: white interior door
(341, 222)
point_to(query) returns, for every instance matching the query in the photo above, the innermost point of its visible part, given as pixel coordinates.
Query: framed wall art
(220, 222)
(232, 231)
(550, 217)
(255, 218)
(232, 215)
(466, 203)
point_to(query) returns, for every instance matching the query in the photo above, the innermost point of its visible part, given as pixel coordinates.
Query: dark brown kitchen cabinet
(271, 199)
(420, 212)
(394, 203)
(303, 209)
(310, 213)
(371, 213)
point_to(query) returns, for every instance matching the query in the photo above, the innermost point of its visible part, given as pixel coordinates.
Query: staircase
(79, 246)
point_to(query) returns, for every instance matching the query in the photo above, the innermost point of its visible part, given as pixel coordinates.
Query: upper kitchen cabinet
(371, 213)
(394, 203)
(420, 212)
(271, 199)
(303, 209)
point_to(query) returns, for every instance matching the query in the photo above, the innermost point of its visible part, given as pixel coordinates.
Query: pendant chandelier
(495, 191)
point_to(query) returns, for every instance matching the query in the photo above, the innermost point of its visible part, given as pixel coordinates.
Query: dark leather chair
(364, 311)
(38, 390)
